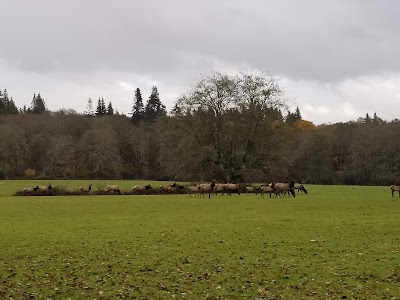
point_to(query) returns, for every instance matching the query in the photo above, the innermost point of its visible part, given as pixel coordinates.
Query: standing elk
(194, 189)
(251, 190)
(284, 188)
(267, 189)
(219, 188)
(395, 188)
(232, 188)
(207, 188)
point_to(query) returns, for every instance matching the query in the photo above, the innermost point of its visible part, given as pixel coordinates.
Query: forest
(231, 128)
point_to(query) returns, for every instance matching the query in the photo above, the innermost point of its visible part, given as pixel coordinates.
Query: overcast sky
(336, 60)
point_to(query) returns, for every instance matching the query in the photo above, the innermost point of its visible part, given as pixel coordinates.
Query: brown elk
(207, 188)
(395, 188)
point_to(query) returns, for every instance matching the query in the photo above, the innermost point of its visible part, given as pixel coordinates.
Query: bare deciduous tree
(230, 118)
(99, 152)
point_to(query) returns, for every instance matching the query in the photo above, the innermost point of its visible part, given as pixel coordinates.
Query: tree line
(230, 128)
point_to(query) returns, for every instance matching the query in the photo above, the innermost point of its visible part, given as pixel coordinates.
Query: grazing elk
(395, 188)
(300, 187)
(113, 188)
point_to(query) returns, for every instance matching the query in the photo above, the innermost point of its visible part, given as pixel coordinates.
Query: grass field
(338, 242)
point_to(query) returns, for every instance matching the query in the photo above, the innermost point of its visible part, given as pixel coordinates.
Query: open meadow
(337, 242)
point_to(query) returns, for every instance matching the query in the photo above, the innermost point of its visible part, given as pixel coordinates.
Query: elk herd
(280, 189)
(203, 189)
(277, 189)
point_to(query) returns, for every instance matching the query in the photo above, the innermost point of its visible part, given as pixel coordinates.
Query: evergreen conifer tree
(7, 105)
(98, 108)
(291, 118)
(138, 108)
(103, 107)
(154, 107)
(110, 110)
(12, 109)
(38, 106)
(297, 113)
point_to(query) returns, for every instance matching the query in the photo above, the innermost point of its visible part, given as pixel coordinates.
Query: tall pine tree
(98, 108)
(38, 106)
(12, 108)
(7, 105)
(154, 107)
(110, 110)
(291, 118)
(101, 107)
(138, 108)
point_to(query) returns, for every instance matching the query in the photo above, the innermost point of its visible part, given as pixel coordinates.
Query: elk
(31, 189)
(395, 188)
(207, 188)
(300, 187)
(140, 189)
(113, 188)
(85, 190)
(232, 188)
(285, 187)
(267, 188)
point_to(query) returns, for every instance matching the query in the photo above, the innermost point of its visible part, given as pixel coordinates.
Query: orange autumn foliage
(305, 125)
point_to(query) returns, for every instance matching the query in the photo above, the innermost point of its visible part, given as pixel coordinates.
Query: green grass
(338, 241)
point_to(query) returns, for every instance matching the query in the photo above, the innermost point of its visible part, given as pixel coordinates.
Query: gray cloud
(92, 46)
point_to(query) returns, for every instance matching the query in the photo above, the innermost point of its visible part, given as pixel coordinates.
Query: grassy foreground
(338, 242)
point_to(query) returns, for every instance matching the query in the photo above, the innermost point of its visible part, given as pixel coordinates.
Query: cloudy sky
(336, 60)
